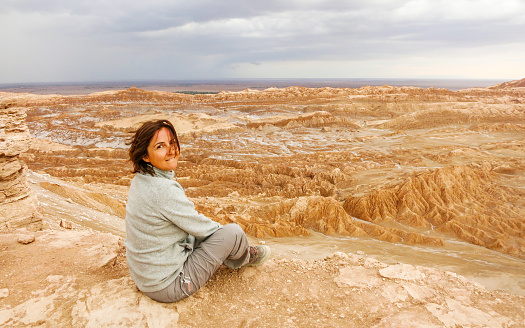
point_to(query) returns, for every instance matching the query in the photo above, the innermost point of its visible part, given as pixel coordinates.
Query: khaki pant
(228, 245)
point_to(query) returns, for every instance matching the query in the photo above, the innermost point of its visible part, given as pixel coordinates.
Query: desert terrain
(384, 206)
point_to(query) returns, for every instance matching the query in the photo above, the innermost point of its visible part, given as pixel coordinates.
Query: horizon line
(355, 79)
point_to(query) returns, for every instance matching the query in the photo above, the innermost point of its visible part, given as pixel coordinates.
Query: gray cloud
(121, 39)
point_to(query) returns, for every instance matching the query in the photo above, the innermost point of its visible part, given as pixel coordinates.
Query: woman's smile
(162, 151)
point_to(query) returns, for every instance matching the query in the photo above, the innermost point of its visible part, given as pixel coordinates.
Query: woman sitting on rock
(172, 250)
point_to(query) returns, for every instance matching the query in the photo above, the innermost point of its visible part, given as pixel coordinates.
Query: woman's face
(162, 150)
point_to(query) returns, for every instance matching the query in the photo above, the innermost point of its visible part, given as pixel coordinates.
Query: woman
(171, 249)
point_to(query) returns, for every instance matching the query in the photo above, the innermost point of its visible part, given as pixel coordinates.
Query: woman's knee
(233, 228)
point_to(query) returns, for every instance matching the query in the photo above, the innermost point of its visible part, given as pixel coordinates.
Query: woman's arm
(177, 208)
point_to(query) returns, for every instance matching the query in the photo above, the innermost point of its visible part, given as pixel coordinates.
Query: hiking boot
(258, 254)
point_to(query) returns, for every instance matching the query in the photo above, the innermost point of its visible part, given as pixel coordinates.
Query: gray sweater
(161, 228)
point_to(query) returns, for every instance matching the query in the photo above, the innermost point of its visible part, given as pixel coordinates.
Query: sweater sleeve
(178, 209)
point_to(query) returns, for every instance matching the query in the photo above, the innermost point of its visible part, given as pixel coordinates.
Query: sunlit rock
(17, 201)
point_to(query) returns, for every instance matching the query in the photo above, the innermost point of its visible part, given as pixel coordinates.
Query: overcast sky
(108, 40)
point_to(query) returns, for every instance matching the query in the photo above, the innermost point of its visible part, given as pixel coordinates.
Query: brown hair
(140, 142)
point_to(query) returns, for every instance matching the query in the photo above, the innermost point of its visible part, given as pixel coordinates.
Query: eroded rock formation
(281, 162)
(17, 201)
(461, 201)
(351, 168)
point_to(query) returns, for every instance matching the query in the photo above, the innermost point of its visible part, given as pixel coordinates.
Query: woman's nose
(172, 149)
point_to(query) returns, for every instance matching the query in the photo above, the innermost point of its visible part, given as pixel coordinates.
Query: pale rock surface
(124, 307)
(17, 201)
(81, 280)
(401, 271)
(26, 239)
(66, 224)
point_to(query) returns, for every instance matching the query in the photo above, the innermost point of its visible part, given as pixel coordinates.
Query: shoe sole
(268, 253)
